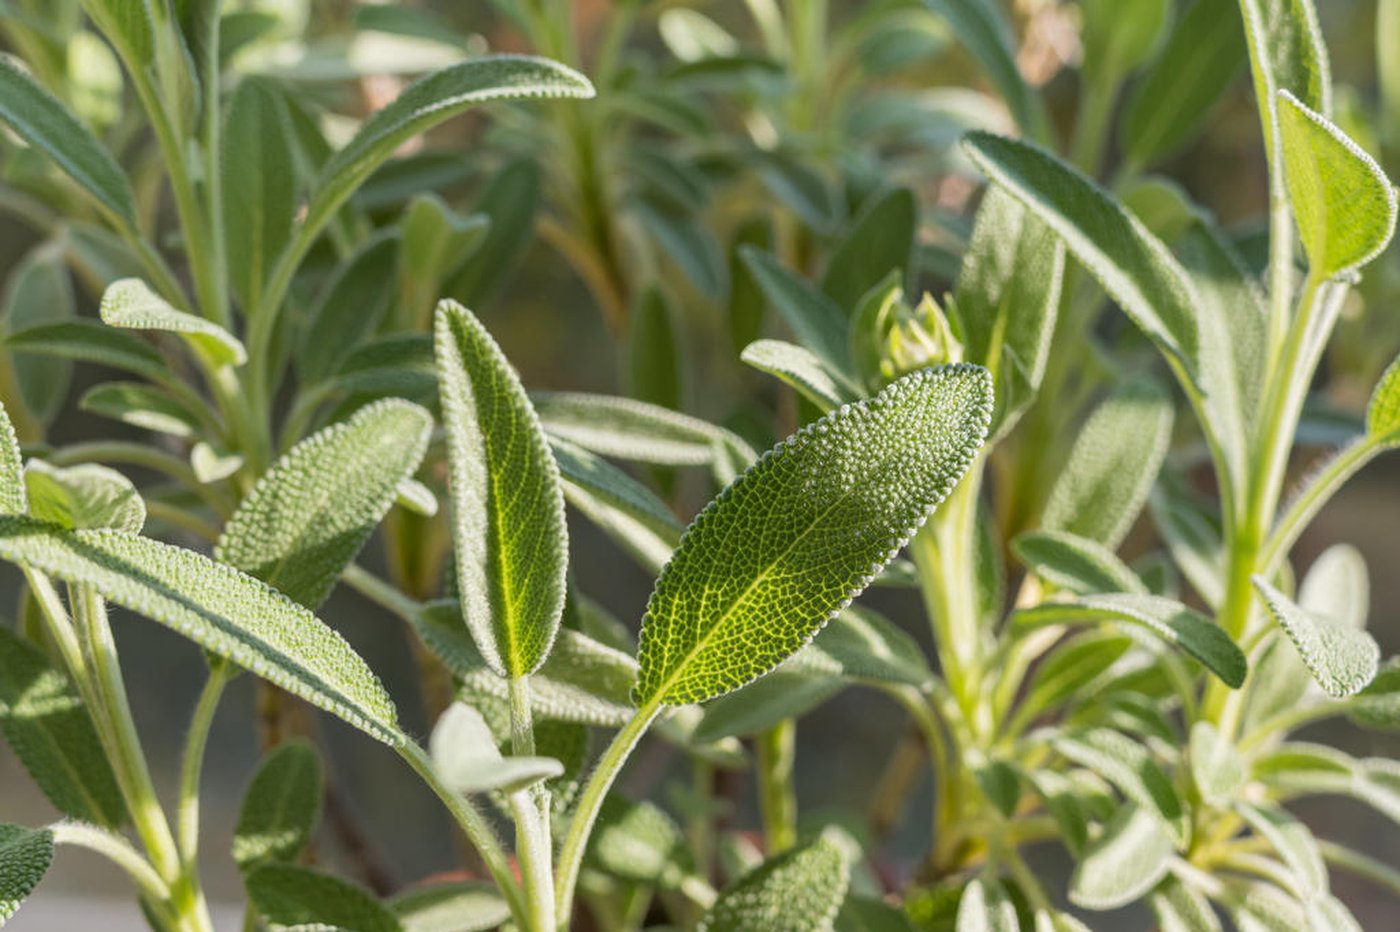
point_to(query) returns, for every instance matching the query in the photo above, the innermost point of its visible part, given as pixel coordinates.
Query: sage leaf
(25, 856)
(1075, 563)
(12, 497)
(1129, 766)
(1128, 860)
(1169, 620)
(1344, 204)
(800, 368)
(288, 896)
(880, 240)
(1294, 844)
(510, 201)
(144, 406)
(1178, 907)
(507, 505)
(1378, 705)
(800, 890)
(281, 806)
(260, 192)
(41, 120)
(51, 732)
(1286, 53)
(788, 692)
(817, 322)
(654, 363)
(982, 28)
(466, 757)
(638, 842)
(436, 240)
(1342, 658)
(39, 291)
(1337, 586)
(232, 615)
(450, 907)
(631, 430)
(621, 506)
(1218, 769)
(985, 907)
(128, 26)
(865, 646)
(1123, 36)
(91, 341)
(211, 462)
(850, 489)
(351, 307)
(83, 496)
(1070, 669)
(1112, 466)
(1383, 410)
(310, 514)
(131, 304)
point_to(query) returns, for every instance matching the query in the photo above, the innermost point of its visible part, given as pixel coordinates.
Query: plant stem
(531, 810)
(117, 850)
(187, 818)
(380, 592)
(1305, 507)
(776, 749)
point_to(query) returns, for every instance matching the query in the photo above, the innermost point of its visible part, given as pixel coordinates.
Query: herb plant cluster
(289, 300)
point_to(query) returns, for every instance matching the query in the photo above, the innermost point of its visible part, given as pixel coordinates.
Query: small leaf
(654, 363)
(1342, 658)
(50, 731)
(144, 406)
(260, 190)
(1127, 765)
(436, 239)
(310, 514)
(42, 121)
(349, 309)
(1287, 53)
(880, 240)
(25, 856)
(851, 488)
(1383, 411)
(789, 692)
(1179, 908)
(507, 505)
(800, 890)
(1378, 705)
(985, 907)
(281, 806)
(416, 497)
(91, 341)
(291, 897)
(1115, 460)
(466, 757)
(1169, 620)
(83, 496)
(1294, 844)
(1075, 563)
(12, 497)
(1344, 204)
(1128, 860)
(865, 646)
(1070, 669)
(982, 28)
(232, 615)
(212, 463)
(450, 907)
(629, 430)
(801, 369)
(638, 842)
(39, 291)
(621, 506)
(1216, 766)
(818, 323)
(131, 304)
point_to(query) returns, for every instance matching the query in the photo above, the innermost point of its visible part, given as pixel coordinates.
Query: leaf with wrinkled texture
(450, 907)
(1383, 410)
(1342, 658)
(629, 430)
(466, 757)
(800, 890)
(985, 907)
(288, 896)
(1286, 53)
(131, 304)
(281, 806)
(1125, 862)
(1130, 767)
(25, 856)
(795, 538)
(1075, 563)
(84, 496)
(509, 533)
(638, 842)
(12, 497)
(801, 369)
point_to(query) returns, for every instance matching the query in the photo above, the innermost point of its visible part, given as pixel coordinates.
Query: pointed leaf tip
(1343, 658)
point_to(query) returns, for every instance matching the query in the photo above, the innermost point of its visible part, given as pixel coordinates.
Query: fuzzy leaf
(1169, 620)
(1344, 204)
(638, 842)
(291, 897)
(436, 239)
(41, 120)
(1342, 658)
(800, 368)
(310, 514)
(12, 497)
(654, 361)
(793, 540)
(450, 907)
(232, 615)
(879, 241)
(1075, 563)
(25, 856)
(789, 692)
(1383, 410)
(985, 907)
(91, 341)
(1177, 907)
(629, 430)
(131, 304)
(281, 806)
(465, 755)
(510, 200)
(621, 506)
(48, 728)
(259, 187)
(508, 507)
(1294, 844)
(1128, 860)
(1112, 466)
(817, 322)
(1378, 705)
(1286, 53)
(142, 405)
(863, 645)
(982, 28)
(83, 496)
(1129, 766)
(349, 309)
(1216, 766)
(40, 291)
(800, 890)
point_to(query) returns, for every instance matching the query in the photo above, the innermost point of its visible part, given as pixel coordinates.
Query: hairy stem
(191, 769)
(531, 810)
(116, 849)
(776, 749)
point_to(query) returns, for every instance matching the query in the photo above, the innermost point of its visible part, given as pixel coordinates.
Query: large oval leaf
(797, 891)
(228, 613)
(507, 502)
(795, 538)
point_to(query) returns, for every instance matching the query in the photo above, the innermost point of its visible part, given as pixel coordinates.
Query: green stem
(1319, 490)
(589, 804)
(193, 765)
(117, 850)
(380, 592)
(531, 810)
(776, 749)
(1289, 720)
(1091, 126)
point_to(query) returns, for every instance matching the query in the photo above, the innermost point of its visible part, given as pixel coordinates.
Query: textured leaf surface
(465, 755)
(83, 496)
(310, 514)
(985, 907)
(800, 368)
(1179, 908)
(12, 497)
(863, 645)
(91, 341)
(131, 304)
(1128, 860)
(1076, 563)
(50, 732)
(1130, 767)
(1342, 658)
(507, 504)
(142, 405)
(40, 291)
(451, 907)
(25, 855)
(219, 608)
(1294, 844)
(353, 304)
(259, 186)
(1286, 53)
(281, 806)
(1344, 204)
(798, 891)
(819, 324)
(628, 430)
(620, 505)
(1383, 410)
(794, 539)
(638, 842)
(291, 897)
(1216, 766)
(41, 120)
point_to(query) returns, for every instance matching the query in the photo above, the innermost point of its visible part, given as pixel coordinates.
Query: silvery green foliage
(288, 896)
(798, 891)
(12, 496)
(281, 806)
(131, 304)
(25, 855)
(86, 496)
(1341, 656)
(464, 751)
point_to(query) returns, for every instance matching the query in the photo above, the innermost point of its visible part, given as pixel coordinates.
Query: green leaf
(1129, 766)
(1378, 705)
(867, 914)
(818, 323)
(430, 101)
(1337, 586)
(1008, 300)
(436, 239)
(638, 842)
(653, 352)
(630, 430)
(211, 462)
(231, 615)
(40, 291)
(865, 646)
(507, 503)
(1286, 53)
(466, 757)
(291, 897)
(880, 240)
(1294, 844)
(12, 497)
(1075, 563)
(788, 692)
(1169, 620)
(985, 907)
(42, 121)
(983, 30)
(450, 907)
(1344, 204)
(144, 406)
(851, 488)
(128, 26)
(1383, 411)
(686, 243)
(91, 341)
(1124, 863)
(310, 514)
(349, 309)
(1342, 658)
(746, 298)
(259, 187)
(50, 731)
(1069, 670)
(1194, 542)
(510, 201)
(800, 890)
(1115, 460)
(131, 304)
(1179, 908)
(1123, 36)
(800, 368)
(1216, 766)
(281, 806)
(25, 856)
(621, 506)
(83, 496)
